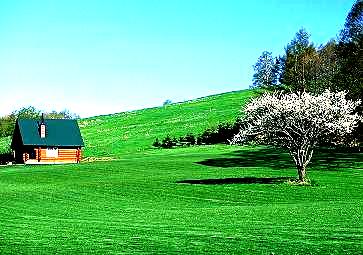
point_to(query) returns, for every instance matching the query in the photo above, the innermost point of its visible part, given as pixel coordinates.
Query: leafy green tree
(29, 112)
(352, 31)
(7, 123)
(328, 67)
(167, 102)
(349, 53)
(350, 58)
(65, 114)
(266, 71)
(350, 65)
(300, 64)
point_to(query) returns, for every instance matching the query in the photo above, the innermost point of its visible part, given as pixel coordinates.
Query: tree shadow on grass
(336, 158)
(244, 180)
(278, 159)
(261, 157)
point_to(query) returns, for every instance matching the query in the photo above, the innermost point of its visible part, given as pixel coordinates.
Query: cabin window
(52, 152)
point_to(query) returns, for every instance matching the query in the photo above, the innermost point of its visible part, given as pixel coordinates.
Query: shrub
(219, 134)
(168, 142)
(6, 158)
(157, 143)
(188, 140)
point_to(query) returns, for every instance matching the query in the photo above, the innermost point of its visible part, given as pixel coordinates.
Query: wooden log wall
(64, 155)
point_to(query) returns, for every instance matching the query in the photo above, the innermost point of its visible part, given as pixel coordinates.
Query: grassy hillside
(128, 132)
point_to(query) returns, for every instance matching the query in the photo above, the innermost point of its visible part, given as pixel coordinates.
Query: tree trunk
(301, 170)
(301, 158)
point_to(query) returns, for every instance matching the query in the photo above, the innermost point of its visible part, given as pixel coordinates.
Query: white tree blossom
(298, 122)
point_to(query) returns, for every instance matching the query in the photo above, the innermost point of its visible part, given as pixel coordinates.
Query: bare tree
(298, 121)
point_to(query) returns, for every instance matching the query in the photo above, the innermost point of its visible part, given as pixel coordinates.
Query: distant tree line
(305, 67)
(7, 123)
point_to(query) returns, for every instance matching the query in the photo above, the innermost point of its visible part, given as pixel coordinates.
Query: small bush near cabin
(5, 158)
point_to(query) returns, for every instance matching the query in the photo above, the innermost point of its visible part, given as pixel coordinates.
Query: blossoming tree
(298, 122)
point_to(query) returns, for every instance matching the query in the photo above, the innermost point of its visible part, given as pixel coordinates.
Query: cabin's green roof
(59, 132)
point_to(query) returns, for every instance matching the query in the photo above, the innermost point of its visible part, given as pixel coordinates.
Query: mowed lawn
(209, 199)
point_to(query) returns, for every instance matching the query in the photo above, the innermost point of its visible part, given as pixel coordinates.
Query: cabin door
(32, 154)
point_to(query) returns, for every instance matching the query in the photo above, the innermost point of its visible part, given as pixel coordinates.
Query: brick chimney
(42, 127)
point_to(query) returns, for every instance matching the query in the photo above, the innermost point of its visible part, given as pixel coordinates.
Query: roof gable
(59, 132)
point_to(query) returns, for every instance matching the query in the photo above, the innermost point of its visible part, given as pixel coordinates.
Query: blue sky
(104, 56)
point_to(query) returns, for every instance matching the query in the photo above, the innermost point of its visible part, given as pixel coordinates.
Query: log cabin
(48, 141)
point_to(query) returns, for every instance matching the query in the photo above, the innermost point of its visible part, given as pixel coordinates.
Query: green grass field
(209, 199)
(145, 204)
